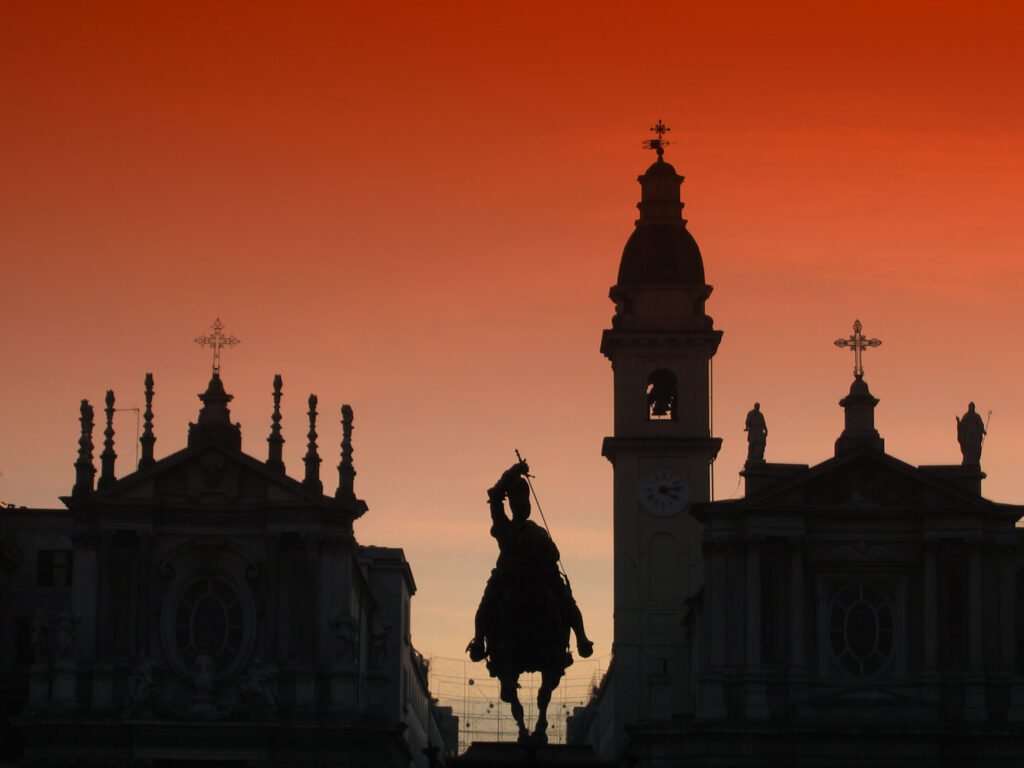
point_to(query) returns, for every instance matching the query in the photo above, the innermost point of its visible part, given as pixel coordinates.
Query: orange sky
(418, 209)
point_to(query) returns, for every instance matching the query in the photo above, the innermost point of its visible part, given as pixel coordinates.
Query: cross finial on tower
(858, 343)
(659, 143)
(217, 340)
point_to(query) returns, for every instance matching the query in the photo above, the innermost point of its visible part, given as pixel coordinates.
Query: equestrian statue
(527, 610)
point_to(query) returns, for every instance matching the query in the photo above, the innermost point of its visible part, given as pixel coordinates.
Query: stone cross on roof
(217, 340)
(858, 343)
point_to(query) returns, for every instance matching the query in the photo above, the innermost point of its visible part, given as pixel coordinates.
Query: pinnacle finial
(275, 440)
(148, 438)
(312, 458)
(84, 469)
(659, 143)
(346, 471)
(108, 456)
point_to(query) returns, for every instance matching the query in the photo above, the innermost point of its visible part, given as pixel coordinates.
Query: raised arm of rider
(496, 494)
(507, 478)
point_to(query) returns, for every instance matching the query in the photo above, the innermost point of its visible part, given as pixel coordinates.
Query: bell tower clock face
(663, 492)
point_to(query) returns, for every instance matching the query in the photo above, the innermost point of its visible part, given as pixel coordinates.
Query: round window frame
(168, 622)
(887, 602)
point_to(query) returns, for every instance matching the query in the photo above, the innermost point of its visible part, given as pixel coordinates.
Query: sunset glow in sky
(418, 209)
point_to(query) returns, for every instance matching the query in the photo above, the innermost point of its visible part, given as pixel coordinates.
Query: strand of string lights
(483, 716)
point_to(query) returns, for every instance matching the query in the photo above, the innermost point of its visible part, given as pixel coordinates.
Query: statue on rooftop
(970, 433)
(757, 434)
(527, 610)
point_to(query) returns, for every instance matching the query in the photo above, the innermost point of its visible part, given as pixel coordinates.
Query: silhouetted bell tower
(660, 344)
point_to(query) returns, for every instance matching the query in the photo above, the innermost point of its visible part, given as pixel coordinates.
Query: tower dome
(661, 250)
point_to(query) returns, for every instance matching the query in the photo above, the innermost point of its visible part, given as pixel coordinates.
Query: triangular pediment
(209, 475)
(865, 479)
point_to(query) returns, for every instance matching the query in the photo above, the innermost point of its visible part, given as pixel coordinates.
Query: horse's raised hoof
(476, 649)
(585, 648)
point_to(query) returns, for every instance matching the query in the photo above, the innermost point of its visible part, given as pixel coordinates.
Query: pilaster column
(303, 668)
(796, 606)
(1007, 610)
(735, 647)
(753, 591)
(144, 618)
(798, 688)
(711, 679)
(974, 607)
(314, 543)
(104, 637)
(975, 707)
(271, 589)
(931, 605)
(931, 690)
(756, 687)
(718, 602)
(1008, 631)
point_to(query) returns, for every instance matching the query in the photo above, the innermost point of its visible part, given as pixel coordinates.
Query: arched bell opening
(662, 395)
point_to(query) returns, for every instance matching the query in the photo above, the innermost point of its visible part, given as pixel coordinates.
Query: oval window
(861, 630)
(209, 620)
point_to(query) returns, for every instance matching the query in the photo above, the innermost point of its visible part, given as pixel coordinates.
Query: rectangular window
(54, 568)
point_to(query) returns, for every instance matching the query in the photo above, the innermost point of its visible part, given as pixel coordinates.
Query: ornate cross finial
(217, 340)
(858, 343)
(659, 143)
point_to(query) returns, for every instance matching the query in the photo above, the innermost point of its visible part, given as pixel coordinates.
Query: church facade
(862, 611)
(208, 609)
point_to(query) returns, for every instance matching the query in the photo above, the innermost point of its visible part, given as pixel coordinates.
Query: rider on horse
(527, 555)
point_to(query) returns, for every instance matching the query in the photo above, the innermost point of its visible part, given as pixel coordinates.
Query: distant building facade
(858, 612)
(209, 609)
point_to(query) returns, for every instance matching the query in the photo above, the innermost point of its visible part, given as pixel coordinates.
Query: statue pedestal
(38, 687)
(1016, 713)
(376, 693)
(759, 475)
(64, 686)
(711, 698)
(344, 690)
(968, 477)
(299, 680)
(203, 707)
(102, 688)
(499, 754)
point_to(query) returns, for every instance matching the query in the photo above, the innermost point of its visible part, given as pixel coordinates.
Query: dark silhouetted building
(862, 611)
(208, 609)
